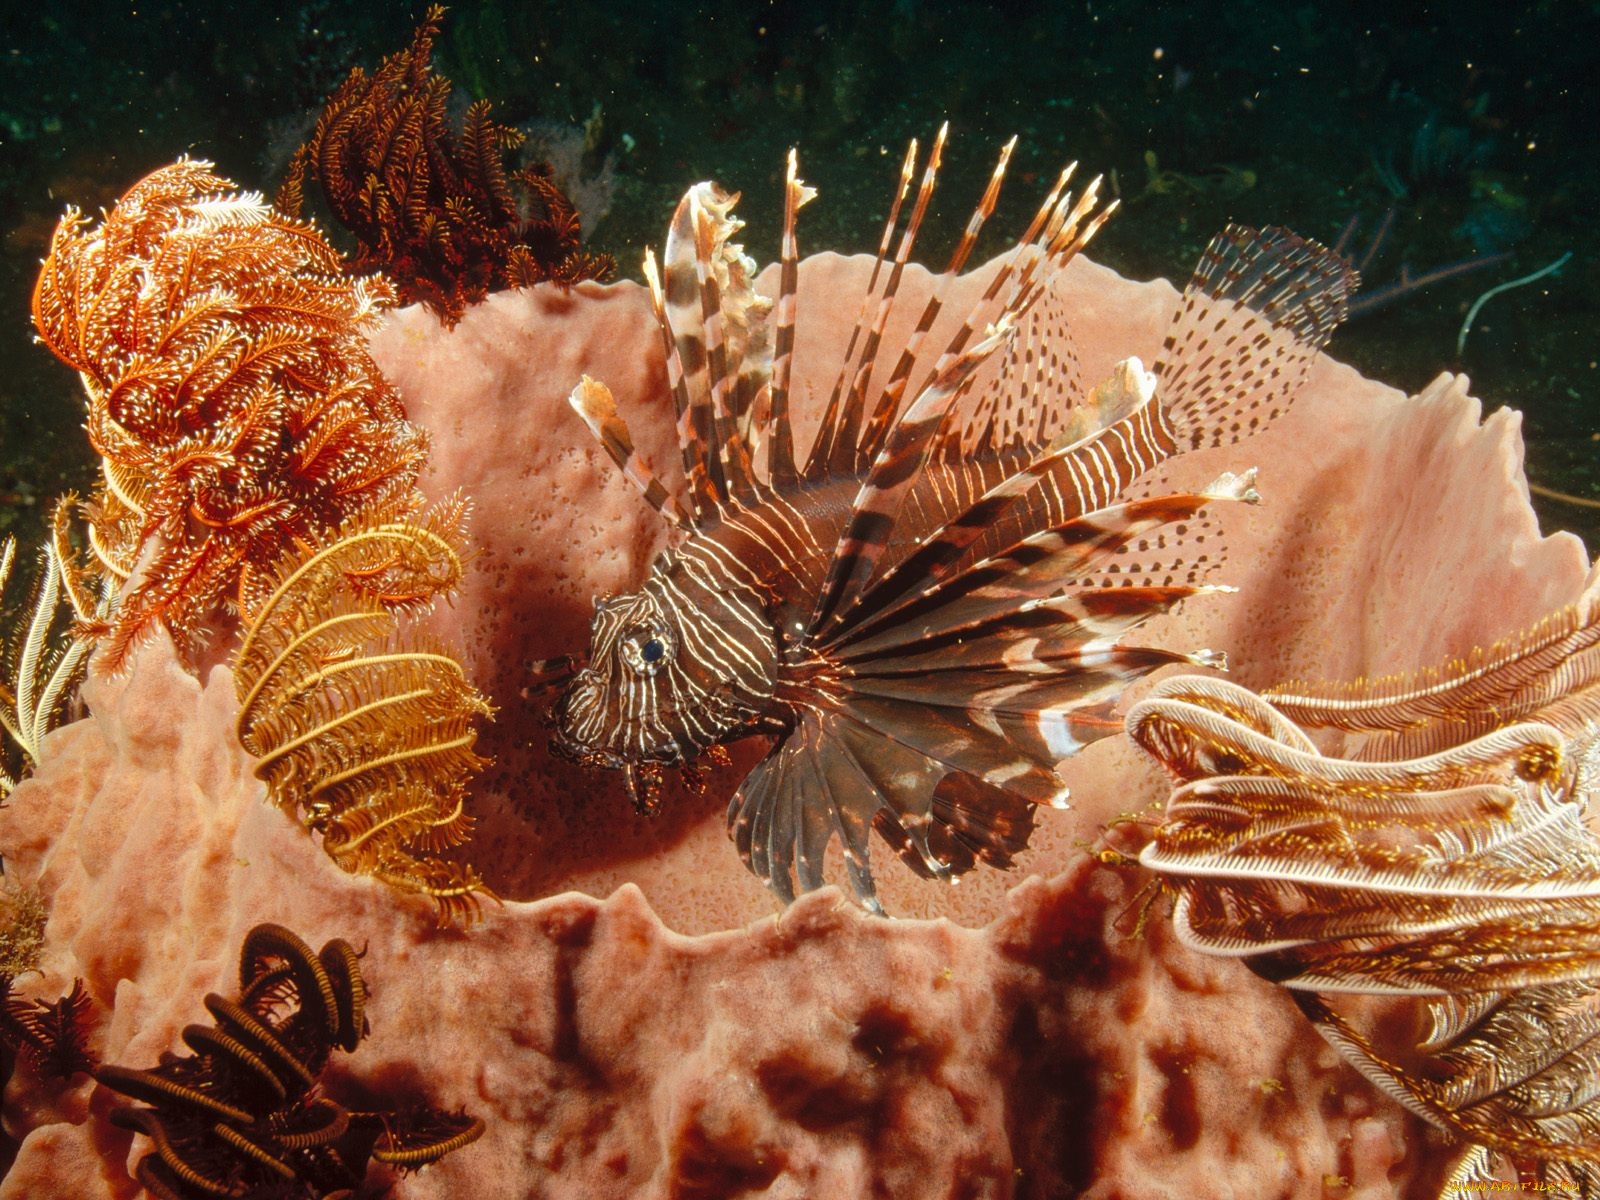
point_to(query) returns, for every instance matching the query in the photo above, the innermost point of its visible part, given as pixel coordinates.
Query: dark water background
(1473, 123)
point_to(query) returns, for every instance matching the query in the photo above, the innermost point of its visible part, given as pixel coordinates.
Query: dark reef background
(1472, 123)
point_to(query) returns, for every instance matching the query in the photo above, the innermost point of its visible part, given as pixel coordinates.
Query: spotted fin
(1259, 307)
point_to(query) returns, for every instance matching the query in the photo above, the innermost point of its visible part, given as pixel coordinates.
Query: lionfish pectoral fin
(791, 806)
(1259, 307)
(839, 775)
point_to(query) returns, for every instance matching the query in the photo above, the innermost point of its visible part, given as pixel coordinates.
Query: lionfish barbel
(926, 614)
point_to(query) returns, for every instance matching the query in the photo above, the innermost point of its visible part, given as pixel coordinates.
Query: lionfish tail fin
(1259, 307)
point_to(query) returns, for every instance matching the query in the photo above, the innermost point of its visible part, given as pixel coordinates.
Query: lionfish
(926, 613)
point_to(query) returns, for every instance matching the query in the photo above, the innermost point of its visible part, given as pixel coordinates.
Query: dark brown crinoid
(435, 209)
(244, 1115)
(52, 1036)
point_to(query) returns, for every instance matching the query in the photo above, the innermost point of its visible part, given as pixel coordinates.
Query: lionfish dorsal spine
(823, 447)
(1017, 269)
(911, 437)
(872, 514)
(694, 425)
(712, 226)
(781, 471)
(593, 401)
(848, 444)
(877, 429)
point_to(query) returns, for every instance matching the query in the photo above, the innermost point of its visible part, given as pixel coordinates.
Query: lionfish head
(673, 669)
(612, 711)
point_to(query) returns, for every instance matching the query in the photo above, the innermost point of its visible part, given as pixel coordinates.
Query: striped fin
(839, 776)
(781, 472)
(940, 821)
(1084, 475)
(1058, 231)
(694, 425)
(888, 404)
(846, 458)
(822, 448)
(594, 403)
(684, 317)
(962, 738)
(1029, 573)
(793, 804)
(876, 504)
(731, 458)
(1260, 305)
(909, 442)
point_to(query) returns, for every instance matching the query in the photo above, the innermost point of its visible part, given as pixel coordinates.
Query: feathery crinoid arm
(1464, 876)
(231, 394)
(1467, 869)
(365, 729)
(1550, 669)
(51, 646)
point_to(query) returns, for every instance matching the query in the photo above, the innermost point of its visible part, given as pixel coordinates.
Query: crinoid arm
(365, 730)
(49, 652)
(246, 1114)
(1465, 876)
(1550, 668)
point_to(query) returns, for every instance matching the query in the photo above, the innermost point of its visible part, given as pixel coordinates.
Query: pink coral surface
(1014, 1040)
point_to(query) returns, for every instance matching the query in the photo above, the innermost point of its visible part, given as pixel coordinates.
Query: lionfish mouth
(569, 748)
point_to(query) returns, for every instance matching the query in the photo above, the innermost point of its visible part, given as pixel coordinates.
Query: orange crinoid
(231, 394)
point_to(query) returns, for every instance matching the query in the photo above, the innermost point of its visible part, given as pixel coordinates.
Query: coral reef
(435, 210)
(231, 395)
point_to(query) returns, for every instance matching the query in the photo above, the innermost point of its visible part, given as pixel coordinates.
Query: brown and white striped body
(926, 614)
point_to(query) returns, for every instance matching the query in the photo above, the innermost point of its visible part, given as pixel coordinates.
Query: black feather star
(244, 1115)
(925, 615)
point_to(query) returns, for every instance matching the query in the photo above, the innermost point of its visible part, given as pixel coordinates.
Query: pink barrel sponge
(1013, 1036)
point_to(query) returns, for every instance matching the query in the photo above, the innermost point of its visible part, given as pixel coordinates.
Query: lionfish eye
(646, 649)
